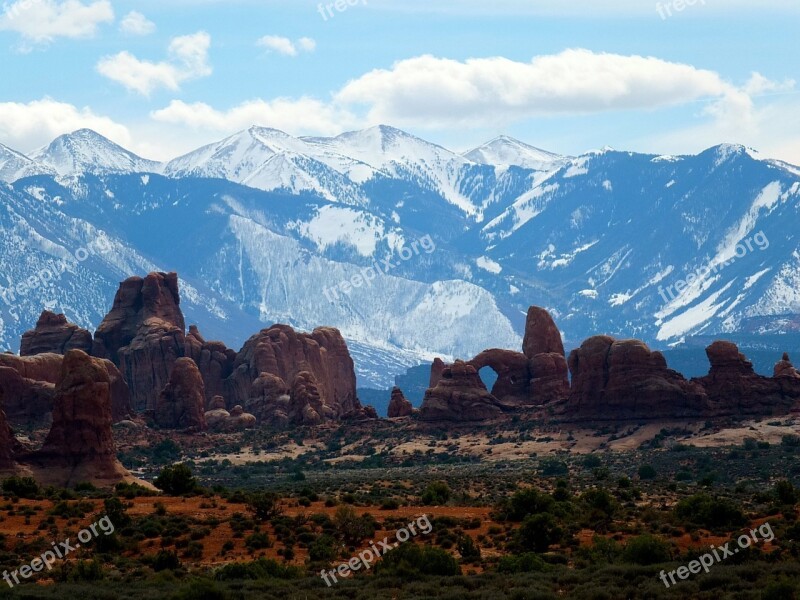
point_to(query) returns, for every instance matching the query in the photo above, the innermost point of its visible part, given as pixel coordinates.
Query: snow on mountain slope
(15, 165)
(287, 284)
(85, 151)
(504, 151)
(267, 159)
(400, 155)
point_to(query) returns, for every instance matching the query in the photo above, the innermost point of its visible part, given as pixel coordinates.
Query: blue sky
(568, 76)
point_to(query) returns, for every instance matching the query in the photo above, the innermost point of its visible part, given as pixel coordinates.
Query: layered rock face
(322, 356)
(29, 383)
(7, 440)
(214, 359)
(543, 347)
(734, 388)
(625, 380)
(459, 395)
(54, 334)
(398, 405)
(144, 335)
(181, 404)
(80, 446)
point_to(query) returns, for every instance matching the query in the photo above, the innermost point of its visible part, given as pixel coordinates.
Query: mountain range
(412, 250)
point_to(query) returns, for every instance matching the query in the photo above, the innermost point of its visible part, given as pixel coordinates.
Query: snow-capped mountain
(85, 151)
(14, 165)
(269, 227)
(504, 151)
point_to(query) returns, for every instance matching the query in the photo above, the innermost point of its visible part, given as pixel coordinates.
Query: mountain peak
(506, 151)
(15, 165)
(86, 151)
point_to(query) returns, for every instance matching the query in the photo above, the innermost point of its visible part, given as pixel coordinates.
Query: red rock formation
(269, 400)
(217, 413)
(512, 388)
(735, 389)
(143, 335)
(541, 334)
(459, 396)
(30, 385)
(307, 406)
(238, 420)
(398, 405)
(27, 402)
(7, 441)
(285, 353)
(181, 404)
(544, 348)
(80, 446)
(214, 359)
(624, 380)
(437, 368)
(53, 334)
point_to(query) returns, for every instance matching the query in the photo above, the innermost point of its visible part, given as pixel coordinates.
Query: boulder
(217, 413)
(459, 396)
(54, 334)
(80, 446)
(181, 404)
(143, 335)
(398, 405)
(238, 420)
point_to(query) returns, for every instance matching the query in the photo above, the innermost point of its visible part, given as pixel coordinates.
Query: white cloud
(285, 46)
(42, 21)
(429, 91)
(296, 116)
(29, 126)
(307, 44)
(135, 23)
(187, 59)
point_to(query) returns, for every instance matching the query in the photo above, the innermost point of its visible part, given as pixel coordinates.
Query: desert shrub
(646, 550)
(176, 480)
(538, 532)
(436, 493)
(526, 502)
(410, 559)
(24, 487)
(257, 541)
(521, 563)
(647, 472)
(351, 527)
(264, 505)
(552, 467)
(468, 550)
(323, 549)
(702, 510)
(263, 568)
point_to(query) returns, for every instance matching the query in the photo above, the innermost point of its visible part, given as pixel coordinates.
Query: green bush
(263, 568)
(647, 472)
(408, 560)
(436, 493)
(24, 487)
(701, 510)
(646, 550)
(538, 532)
(521, 563)
(176, 480)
